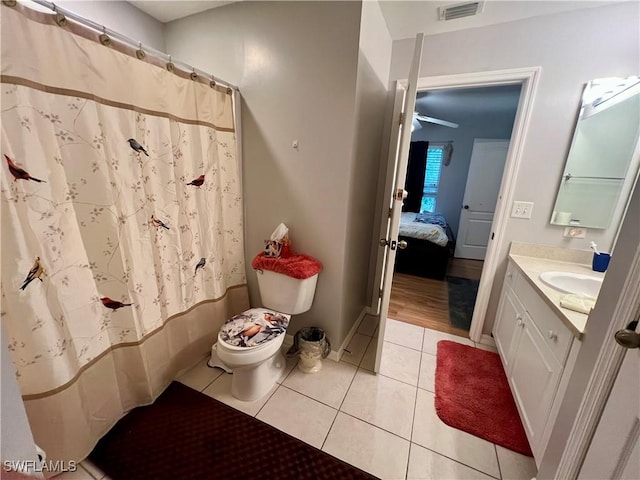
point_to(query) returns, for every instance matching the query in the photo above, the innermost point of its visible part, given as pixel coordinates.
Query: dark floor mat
(462, 299)
(185, 434)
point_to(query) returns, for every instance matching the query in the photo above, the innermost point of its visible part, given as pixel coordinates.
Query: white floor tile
(488, 348)
(515, 466)
(367, 447)
(401, 363)
(432, 433)
(298, 415)
(94, 471)
(382, 401)
(220, 389)
(427, 465)
(404, 334)
(357, 346)
(432, 337)
(369, 358)
(328, 386)
(200, 375)
(427, 377)
(368, 325)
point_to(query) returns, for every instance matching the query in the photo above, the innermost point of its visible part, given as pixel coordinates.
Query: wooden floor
(425, 302)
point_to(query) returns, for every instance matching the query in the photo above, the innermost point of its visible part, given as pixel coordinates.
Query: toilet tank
(286, 294)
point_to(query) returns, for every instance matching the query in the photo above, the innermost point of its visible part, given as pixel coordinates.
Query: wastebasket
(312, 345)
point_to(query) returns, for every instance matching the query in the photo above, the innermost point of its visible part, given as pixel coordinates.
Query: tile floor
(385, 424)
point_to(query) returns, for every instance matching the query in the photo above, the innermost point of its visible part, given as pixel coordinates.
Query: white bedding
(423, 231)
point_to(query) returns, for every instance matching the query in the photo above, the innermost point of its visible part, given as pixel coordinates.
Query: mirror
(603, 158)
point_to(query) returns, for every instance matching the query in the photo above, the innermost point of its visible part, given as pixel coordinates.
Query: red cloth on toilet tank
(298, 266)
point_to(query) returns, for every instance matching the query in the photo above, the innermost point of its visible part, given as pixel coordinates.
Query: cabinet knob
(552, 335)
(509, 274)
(519, 321)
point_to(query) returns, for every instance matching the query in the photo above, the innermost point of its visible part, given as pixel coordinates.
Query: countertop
(531, 265)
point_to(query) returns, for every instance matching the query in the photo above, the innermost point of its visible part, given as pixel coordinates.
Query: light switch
(522, 209)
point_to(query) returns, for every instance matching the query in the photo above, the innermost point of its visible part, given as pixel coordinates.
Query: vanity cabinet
(534, 346)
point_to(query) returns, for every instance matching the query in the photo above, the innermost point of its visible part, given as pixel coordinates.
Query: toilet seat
(253, 329)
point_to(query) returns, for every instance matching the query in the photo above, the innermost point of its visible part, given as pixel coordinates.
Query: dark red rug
(472, 394)
(185, 434)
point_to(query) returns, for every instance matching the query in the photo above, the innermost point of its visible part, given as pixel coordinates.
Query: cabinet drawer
(556, 335)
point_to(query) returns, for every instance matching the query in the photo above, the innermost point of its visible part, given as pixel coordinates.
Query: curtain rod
(127, 40)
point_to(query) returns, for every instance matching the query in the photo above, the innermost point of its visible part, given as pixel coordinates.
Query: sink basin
(573, 283)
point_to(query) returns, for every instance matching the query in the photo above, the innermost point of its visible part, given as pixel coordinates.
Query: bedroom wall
(453, 177)
(121, 17)
(296, 65)
(572, 48)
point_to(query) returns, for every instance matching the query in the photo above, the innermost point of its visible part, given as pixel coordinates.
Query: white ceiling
(404, 18)
(407, 18)
(166, 11)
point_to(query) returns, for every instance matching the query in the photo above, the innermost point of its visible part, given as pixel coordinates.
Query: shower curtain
(122, 235)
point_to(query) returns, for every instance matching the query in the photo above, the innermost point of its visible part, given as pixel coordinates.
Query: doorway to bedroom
(459, 144)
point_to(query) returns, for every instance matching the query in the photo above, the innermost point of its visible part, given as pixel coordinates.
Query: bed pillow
(433, 218)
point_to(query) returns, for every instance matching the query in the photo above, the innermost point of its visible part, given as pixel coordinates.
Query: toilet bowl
(249, 344)
(255, 369)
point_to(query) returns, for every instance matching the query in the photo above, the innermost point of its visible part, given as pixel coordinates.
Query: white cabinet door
(535, 374)
(509, 316)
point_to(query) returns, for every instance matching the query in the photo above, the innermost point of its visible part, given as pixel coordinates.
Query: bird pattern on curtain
(113, 220)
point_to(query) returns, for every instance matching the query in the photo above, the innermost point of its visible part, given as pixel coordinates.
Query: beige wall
(572, 48)
(371, 100)
(296, 65)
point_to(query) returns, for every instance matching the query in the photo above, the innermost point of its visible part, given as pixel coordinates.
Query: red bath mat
(472, 394)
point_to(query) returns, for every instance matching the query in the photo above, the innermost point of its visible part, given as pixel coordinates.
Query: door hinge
(380, 293)
(390, 212)
(401, 118)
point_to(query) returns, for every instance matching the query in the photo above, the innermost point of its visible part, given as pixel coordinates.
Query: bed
(430, 243)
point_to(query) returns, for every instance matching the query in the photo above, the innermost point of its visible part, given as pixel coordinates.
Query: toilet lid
(253, 327)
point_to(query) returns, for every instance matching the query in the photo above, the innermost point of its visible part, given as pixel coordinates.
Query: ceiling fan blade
(437, 121)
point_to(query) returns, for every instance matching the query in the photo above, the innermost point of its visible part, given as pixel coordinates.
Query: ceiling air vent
(459, 10)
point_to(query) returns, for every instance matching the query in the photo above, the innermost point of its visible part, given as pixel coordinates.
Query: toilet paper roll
(563, 218)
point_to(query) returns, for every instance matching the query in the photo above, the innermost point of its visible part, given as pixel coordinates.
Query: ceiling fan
(417, 118)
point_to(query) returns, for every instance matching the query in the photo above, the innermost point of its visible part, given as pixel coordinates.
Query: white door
(614, 452)
(480, 196)
(394, 191)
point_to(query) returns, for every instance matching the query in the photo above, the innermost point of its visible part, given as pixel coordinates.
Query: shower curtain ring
(60, 19)
(194, 75)
(10, 3)
(170, 66)
(212, 83)
(140, 52)
(104, 38)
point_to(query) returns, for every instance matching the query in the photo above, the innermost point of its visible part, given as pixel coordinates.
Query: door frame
(528, 78)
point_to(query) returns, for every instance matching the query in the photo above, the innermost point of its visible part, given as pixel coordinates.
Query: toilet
(249, 344)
